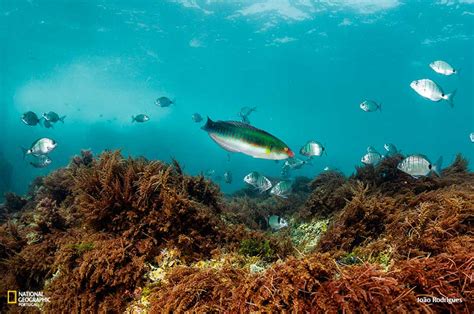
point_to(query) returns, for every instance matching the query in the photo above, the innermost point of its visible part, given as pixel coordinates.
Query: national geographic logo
(26, 298)
(11, 297)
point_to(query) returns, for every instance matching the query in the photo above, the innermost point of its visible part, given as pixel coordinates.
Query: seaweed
(330, 192)
(109, 233)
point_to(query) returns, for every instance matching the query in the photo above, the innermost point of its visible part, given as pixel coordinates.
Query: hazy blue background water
(305, 64)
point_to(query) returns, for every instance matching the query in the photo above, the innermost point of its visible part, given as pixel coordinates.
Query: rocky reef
(116, 234)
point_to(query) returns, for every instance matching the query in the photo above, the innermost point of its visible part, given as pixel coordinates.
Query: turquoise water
(305, 65)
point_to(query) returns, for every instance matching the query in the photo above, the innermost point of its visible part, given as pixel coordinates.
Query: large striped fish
(432, 91)
(239, 137)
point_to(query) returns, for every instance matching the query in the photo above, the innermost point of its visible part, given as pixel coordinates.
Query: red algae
(89, 236)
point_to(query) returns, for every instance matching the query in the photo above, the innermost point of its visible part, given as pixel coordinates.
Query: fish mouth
(291, 154)
(413, 84)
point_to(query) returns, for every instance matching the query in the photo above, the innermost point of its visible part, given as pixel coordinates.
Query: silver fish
(252, 178)
(419, 166)
(276, 222)
(228, 177)
(370, 106)
(196, 117)
(471, 136)
(30, 118)
(294, 163)
(281, 189)
(432, 91)
(140, 118)
(371, 149)
(263, 184)
(41, 161)
(41, 146)
(443, 67)
(164, 102)
(47, 124)
(371, 158)
(53, 117)
(312, 148)
(391, 149)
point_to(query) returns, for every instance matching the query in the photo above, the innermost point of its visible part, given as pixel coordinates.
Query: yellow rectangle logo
(11, 297)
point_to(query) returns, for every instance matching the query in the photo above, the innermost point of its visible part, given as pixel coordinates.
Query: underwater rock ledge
(118, 234)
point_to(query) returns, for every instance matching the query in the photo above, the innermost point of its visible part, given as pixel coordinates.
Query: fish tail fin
(24, 151)
(458, 71)
(173, 101)
(208, 124)
(380, 107)
(437, 166)
(133, 119)
(62, 119)
(450, 97)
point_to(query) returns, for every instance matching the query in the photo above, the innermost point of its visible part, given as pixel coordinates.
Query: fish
(371, 158)
(196, 117)
(276, 222)
(471, 136)
(53, 117)
(312, 148)
(281, 189)
(42, 161)
(228, 177)
(209, 172)
(252, 178)
(370, 106)
(285, 172)
(235, 136)
(263, 184)
(39, 147)
(371, 149)
(244, 114)
(47, 124)
(164, 102)
(442, 67)
(295, 163)
(391, 149)
(30, 118)
(419, 166)
(140, 118)
(432, 91)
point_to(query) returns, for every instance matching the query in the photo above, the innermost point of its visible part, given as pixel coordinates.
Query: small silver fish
(140, 118)
(53, 117)
(419, 166)
(371, 149)
(371, 158)
(41, 146)
(432, 91)
(294, 163)
(196, 117)
(312, 148)
(245, 112)
(252, 178)
(471, 136)
(370, 106)
(443, 67)
(209, 172)
(42, 161)
(276, 222)
(281, 189)
(263, 184)
(164, 102)
(391, 149)
(228, 177)
(30, 118)
(47, 124)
